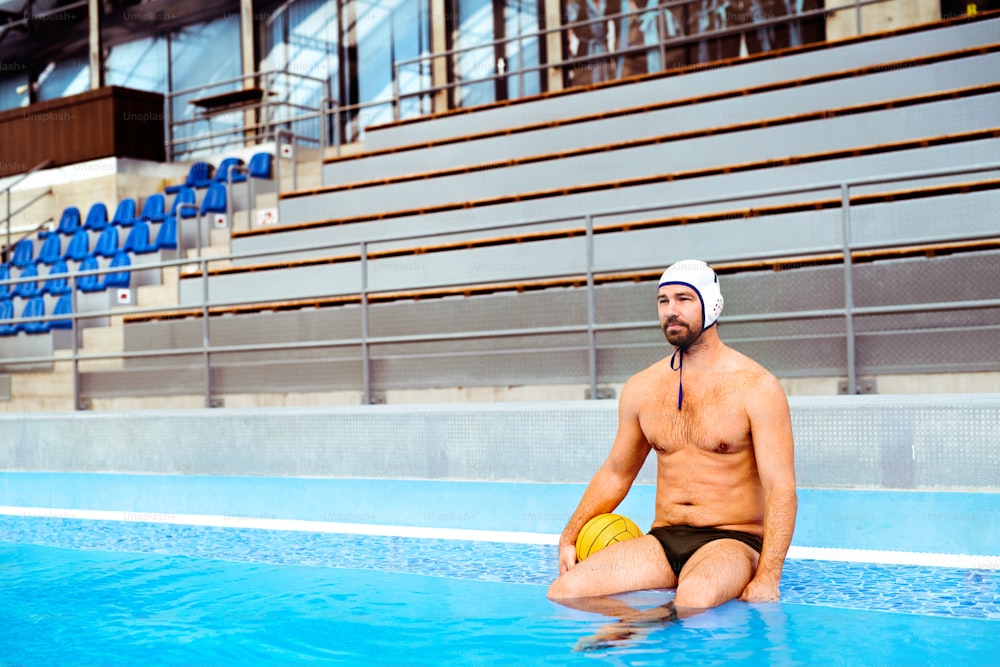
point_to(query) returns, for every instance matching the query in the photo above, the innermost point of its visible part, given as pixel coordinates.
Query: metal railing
(665, 43)
(269, 114)
(341, 122)
(364, 342)
(7, 221)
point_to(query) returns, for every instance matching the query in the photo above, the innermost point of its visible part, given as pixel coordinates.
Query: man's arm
(613, 480)
(771, 430)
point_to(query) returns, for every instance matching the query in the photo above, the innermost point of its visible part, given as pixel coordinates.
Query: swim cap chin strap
(679, 355)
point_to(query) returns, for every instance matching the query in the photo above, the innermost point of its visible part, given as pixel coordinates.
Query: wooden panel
(109, 122)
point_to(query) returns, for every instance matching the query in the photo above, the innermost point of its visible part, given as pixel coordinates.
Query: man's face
(679, 310)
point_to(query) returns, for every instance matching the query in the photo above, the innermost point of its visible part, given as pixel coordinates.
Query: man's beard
(682, 338)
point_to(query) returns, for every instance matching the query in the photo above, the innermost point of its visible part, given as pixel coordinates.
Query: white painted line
(963, 561)
(222, 521)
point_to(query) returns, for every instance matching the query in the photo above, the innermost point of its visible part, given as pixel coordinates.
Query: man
(725, 490)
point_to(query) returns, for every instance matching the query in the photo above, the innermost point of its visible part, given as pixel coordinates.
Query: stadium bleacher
(513, 211)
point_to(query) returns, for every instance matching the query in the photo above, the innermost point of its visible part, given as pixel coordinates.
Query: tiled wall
(892, 442)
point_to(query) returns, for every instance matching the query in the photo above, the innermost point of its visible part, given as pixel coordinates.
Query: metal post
(197, 236)
(205, 340)
(845, 204)
(324, 139)
(395, 93)
(168, 101)
(9, 250)
(591, 311)
(366, 377)
(229, 198)
(661, 21)
(74, 333)
(96, 51)
(277, 162)
(336, 126)
(857, 14)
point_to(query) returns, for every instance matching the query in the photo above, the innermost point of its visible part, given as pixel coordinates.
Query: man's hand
(761, 591)
(567, 557)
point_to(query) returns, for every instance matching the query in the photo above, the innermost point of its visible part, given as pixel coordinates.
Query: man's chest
(711, 419)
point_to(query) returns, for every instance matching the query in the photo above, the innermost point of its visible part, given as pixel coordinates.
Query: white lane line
(964, 561)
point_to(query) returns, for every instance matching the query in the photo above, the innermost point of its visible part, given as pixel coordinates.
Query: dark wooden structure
(108, 122)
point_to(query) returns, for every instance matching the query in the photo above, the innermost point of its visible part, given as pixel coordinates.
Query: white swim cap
(700, 277)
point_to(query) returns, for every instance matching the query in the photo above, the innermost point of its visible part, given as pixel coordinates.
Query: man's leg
(715, 573)
(631, 565)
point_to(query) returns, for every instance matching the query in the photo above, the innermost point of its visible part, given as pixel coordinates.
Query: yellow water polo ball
(602, 530)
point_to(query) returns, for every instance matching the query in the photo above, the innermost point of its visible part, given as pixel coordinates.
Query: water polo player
(720, 427)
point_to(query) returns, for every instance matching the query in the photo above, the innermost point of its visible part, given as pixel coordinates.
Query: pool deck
(888, 479)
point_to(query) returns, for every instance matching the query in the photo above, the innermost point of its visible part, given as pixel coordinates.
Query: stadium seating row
(88, 245)
(57, 280)
(35, 307)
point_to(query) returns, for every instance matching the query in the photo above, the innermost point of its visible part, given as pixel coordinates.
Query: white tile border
(961, 561)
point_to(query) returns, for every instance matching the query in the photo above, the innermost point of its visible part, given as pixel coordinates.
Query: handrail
(269, 79)
(7, 191)
(830, 185)
(662, 44)
(205, 308)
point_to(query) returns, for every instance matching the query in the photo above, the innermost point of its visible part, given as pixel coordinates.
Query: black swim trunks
(680, 542)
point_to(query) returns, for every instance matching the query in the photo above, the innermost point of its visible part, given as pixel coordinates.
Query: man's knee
(694, 596)
(563, 588)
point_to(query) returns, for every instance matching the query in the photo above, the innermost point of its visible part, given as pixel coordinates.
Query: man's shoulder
(757, 383)
(753, 373)
(644, 381)
(652, 373)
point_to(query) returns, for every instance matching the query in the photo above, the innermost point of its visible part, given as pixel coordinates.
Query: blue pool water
(112, 592)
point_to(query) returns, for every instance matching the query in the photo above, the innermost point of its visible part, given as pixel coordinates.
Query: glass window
(301, 45)
(522, 51)
(141, 64)
(205, 56)
(13, 86)
(498, 48)
(475, 58)
(64, 78)
(376, 36)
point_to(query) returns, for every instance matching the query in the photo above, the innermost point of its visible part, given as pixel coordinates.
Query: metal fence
(359, 351)
(325, 121)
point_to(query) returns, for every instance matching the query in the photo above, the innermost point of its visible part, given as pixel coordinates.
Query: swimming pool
(119, 590)
(425, 535)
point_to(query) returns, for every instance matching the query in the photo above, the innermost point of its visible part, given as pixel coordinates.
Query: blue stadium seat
(125, 213)
(51, 250)
(166, 237)
(29, 289)
(5, 287)
(232, 164)
(185, 196)
(215, 199)
(24, 253)
(64, 306)
(260, 166)
(79, 246)
(69, 223)
(199, 176)
(154, 208)
(93, 282)
(107, 242)
(97, 218)
(7, 313)
(57, 282)
(138, 239)
(119, 278)
(34, 308)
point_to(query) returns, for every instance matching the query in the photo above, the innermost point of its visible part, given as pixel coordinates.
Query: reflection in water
(637, 619)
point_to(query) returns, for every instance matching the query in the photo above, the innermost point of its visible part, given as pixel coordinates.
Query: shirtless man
(725, 489)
